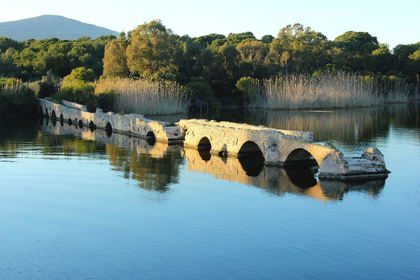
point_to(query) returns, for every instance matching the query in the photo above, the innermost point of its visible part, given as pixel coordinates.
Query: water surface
(77, 204)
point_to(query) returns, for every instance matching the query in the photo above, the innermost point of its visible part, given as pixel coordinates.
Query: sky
(392, 22)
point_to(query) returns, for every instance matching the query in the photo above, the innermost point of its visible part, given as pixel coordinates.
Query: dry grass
(144, 97)
(340, 90)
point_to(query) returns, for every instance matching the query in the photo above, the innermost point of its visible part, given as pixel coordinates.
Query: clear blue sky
(392, 22)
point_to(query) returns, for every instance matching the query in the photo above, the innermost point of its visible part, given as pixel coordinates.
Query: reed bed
(339, 90)
(144, 97)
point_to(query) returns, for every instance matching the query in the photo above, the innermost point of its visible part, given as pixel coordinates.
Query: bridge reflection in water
(155, 165)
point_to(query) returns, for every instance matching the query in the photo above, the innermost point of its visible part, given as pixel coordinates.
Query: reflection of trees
(152, 173)
(65, 143)
(154, 166)
(14, 135)
(343, 125)
(350, 126)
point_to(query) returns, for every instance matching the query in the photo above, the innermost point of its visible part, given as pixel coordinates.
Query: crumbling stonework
(132, 124)
(278, 147)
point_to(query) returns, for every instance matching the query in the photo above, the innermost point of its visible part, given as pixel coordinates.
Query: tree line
(210, 66)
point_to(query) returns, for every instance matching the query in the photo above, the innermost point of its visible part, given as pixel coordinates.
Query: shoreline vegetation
(328, 91)
(144, 97)
(152, 71)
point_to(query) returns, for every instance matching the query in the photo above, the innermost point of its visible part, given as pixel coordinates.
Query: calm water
(76, 204)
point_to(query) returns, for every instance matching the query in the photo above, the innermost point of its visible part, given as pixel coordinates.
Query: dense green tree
(380, 61)
(151, 52)
(8, 67)
(298, 49)
(60, 52)
(189, 51)
(6, 43)
(235, 38)
(253, 52)
(80, 74)
(352, 48)
(207, 40)
(267, 39)
(115, 59)
(230, 58)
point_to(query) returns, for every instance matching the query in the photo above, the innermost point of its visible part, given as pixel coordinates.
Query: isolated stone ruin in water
(277, 147)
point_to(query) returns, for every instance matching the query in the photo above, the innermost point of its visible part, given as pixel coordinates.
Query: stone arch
(150, 135)
(204, 144)
(61, 117)
(92, 125)
(108, 129)
(40, 110)
(150, 138)
(301, 156)
(250, 149)
(80, 123)
(53, 115)
(46, 112)
(70, 121)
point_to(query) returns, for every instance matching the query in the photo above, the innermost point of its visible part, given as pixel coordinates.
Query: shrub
(16, 99)
(248, 86)
(80, 74)
(201, 94)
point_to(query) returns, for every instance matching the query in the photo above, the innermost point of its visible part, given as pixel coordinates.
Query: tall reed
(339, 90)
(144, 97)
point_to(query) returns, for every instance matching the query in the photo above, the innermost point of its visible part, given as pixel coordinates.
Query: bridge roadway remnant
(277, 147)
(132, 124)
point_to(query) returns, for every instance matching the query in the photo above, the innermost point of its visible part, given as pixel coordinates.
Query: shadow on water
(156, 165)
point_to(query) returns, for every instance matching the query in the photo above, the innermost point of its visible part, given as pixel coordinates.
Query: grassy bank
(144, 97)
(339, 90)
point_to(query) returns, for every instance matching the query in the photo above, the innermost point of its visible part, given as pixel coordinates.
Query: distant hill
(49, 26)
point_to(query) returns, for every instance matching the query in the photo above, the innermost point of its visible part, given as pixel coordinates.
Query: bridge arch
(108, 129)
(301, 156)
(250, 149)
(150, 135)
(53, 115)
(46, 112)
(204, 144)
(150, 138)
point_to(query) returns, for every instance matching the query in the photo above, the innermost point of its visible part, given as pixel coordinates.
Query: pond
(80, 204)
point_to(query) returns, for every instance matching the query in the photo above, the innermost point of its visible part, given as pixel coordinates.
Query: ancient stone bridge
(274, 146)
(273, 179)
(279, 147)
(132, 124)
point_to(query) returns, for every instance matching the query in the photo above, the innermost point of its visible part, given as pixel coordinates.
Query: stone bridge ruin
(275, 147)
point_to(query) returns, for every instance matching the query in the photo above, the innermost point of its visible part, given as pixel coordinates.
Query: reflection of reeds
(144, 97)
(340, 90)
(343, 125)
